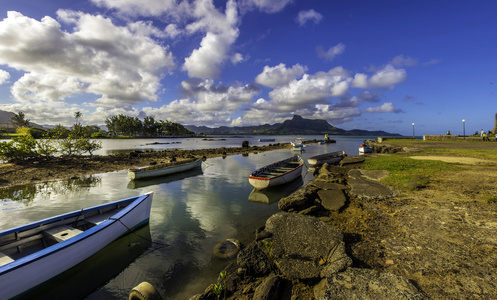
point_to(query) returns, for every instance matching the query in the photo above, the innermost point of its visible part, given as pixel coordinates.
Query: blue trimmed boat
(32, 254)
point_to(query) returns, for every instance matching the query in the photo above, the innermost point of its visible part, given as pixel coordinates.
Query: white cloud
(4, 76)
(387, 107)
(267, 6)
(140, 7)
(221, 33)
(403, 61)
(121, 64)
(311, 89)
(332, 52)
(279, 75)
(387, 78)
(207, 103)
(305, 16)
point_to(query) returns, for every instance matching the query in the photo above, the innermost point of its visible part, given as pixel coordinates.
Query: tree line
(149, 127)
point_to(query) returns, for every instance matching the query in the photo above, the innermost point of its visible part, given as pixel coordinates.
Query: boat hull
(26, 273)
(149, 173)
(259, 181)
(329, 158)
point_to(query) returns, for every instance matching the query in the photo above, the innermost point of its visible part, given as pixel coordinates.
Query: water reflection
(275, 193)
(25, 194)
(97, 270)
(141, 183)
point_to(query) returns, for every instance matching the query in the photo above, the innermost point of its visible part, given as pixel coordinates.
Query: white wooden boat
(34, 253)
(164, 169)
(277, 173)
(330, 158)
(365, 149)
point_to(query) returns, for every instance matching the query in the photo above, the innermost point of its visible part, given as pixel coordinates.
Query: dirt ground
(442, 237)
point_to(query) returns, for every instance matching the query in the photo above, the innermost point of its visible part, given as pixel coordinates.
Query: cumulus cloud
(305, 16)
(142, 8)
(221, 32)
(387, 107)
(279, 75)
(206, 102)
(330, 53)
(386, 78)
(121, 64)
(267, 6)
(311, 89)
(4, 76)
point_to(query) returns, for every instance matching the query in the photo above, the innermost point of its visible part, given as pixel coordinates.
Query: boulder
(325, 185)
(305, 247)
(369, 284)
(253, 261)
(299, 200)
(366, 189)
(269, 289)
(332, 200)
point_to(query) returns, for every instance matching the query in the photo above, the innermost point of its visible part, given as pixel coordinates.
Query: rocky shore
(347, 236)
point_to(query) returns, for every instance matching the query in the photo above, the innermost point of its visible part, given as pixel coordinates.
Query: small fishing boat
(365, 149)
(164, 169)
(297, 145)
(330, 158)
(277, 173)
(267, 140)
(34, 253)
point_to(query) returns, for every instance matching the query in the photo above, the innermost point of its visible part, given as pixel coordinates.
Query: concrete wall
(454, 138)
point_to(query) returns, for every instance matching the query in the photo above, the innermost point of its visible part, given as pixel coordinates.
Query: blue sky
(377, 65)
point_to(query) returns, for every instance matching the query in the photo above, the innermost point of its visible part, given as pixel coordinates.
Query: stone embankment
(307, 250)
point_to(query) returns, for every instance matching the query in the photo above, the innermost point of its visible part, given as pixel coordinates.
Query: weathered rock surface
(299, 200)
(325, 185)
(367, 189)
(305, 247)
(269, 289)
(369, 284)
(332, 200)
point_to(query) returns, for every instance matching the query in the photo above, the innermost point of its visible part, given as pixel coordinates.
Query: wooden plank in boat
(21, 242)
(5, 259)
(41, 228)
(97, 219)
(62, 232)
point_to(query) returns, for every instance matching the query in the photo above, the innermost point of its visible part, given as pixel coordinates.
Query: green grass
(475, 153)
(403, 169)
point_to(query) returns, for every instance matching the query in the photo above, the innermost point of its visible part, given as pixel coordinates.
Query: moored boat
(267, 140)
(34, 253)
(277, 173)
(164, 169)
(330, 158)
(365, 149)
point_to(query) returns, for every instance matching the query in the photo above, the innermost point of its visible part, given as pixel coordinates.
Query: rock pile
(297, 255)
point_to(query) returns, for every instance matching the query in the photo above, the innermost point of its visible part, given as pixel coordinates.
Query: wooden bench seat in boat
(5, 259)
(97, 219)
(61, 233)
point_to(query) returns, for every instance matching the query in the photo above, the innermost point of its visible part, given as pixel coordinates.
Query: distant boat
(164, 169)
(277, 173)
(297, 145)
(267, 140)
(365, 149)
(34, 253)
(330, 158)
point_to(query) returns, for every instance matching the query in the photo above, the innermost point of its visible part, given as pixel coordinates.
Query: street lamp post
(464, 128)
(412, 130)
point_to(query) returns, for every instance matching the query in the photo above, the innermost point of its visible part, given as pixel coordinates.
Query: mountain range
(297, 125)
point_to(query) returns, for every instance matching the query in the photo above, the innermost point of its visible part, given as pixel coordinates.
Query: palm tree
(77, 116)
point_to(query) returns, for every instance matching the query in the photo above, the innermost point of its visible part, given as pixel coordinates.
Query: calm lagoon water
(191, 213)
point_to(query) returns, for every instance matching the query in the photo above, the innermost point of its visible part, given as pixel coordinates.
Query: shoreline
(37, 171)
(438, 241)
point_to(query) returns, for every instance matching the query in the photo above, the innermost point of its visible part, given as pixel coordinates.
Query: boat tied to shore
(277, 173)
(35, 253)
(329, 158)
(164, 169)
